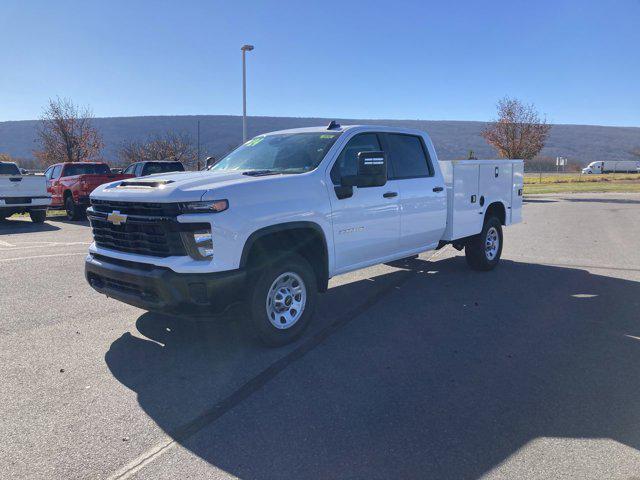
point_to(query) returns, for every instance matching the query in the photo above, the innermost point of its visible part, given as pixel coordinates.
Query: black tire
(259, 321)
(479, 257)
(73, 211)
(38, 216)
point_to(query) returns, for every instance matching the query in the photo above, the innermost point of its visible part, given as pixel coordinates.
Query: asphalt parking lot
(419, 370)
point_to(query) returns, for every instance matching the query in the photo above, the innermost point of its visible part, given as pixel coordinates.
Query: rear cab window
(86, 169)
(152, 168)
(9, 169)
(408, 156)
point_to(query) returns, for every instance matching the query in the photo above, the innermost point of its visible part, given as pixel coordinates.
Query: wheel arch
(497, 209)
(304, 238)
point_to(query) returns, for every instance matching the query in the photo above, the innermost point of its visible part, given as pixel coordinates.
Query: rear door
(366, 225)
(423, 201)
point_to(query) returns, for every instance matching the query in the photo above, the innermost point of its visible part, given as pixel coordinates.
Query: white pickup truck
(22, 193)
(272, 222)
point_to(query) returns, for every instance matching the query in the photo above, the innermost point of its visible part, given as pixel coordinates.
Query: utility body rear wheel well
(496, 209)
(304, 238)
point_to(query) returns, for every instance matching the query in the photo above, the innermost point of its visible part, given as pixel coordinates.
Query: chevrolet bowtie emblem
(116, 218)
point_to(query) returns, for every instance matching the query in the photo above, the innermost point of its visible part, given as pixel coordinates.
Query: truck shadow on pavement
(11, 225)
(447, 375)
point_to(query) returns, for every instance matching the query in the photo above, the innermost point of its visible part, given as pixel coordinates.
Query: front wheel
(484, 250)
(283, 299)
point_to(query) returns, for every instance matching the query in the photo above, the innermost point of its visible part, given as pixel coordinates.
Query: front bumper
(160, 289)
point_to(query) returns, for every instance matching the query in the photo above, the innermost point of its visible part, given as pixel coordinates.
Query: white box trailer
(473, 185)
(613, 166)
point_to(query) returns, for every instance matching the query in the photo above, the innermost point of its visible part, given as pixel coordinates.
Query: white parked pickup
(270, 223)
(22, 193)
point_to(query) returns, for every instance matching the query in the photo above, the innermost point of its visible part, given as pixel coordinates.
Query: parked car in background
(612, 166)
(150, 167)
(22, 194)
(71, 183)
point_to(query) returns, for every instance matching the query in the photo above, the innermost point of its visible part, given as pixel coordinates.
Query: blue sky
(578, 61)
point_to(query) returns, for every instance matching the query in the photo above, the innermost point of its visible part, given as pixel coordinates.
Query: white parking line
(11, 247)
(42, 256)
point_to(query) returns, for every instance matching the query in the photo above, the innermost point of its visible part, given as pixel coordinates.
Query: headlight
(213, 206)
(199, 244)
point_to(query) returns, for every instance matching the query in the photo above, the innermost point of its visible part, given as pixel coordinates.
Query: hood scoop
(144, 183)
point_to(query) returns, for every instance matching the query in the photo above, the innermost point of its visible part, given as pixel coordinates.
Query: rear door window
(407, 156)
(347, 162)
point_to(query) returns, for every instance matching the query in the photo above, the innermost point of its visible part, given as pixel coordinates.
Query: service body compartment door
(517, 192)
(463, 208)
(495, 183)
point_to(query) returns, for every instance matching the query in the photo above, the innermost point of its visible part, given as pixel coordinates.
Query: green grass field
(574, 182)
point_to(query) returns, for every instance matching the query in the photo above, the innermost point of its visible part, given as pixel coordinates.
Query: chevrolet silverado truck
(273, 221)
(22, 193)
(70, 185)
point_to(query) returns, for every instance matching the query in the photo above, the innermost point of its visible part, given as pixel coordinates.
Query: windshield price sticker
(254, 141)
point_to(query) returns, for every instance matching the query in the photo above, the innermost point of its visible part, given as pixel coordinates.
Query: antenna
(333, 125)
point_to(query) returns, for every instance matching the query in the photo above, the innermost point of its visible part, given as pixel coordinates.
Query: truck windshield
(279, 153)
(86, 169)
(9, 169)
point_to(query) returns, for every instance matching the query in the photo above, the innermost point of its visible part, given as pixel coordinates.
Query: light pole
(245, 49)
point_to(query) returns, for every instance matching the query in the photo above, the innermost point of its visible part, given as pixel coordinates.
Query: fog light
(204, 243)
(199, 244)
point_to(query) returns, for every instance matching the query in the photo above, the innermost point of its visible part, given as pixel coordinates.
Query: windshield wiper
(260, 173)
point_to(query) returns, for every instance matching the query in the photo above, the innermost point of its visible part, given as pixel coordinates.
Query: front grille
(139, 236)
(150, 228)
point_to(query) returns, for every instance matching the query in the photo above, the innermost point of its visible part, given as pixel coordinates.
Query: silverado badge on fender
(116, 218)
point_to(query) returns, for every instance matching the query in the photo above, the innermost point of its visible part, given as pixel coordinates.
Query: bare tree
(518, 132)
(66, 134)
(170, 146)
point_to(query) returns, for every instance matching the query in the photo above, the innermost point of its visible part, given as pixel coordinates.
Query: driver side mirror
(372, 171)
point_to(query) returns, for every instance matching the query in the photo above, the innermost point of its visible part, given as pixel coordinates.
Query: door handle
(390, 194)
(438, 189)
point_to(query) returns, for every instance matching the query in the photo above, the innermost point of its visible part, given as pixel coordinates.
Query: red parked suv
(71, 183)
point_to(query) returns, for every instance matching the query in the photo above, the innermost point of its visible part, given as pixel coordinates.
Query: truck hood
(173, 186)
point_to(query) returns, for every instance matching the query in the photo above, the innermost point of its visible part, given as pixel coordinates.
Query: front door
(366, 225)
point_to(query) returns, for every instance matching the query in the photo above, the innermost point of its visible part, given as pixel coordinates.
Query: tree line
(66, 133)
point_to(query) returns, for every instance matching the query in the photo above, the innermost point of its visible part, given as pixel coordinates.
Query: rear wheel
(38, 216)
(73, 211)
(484, 250)
(283, 299)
